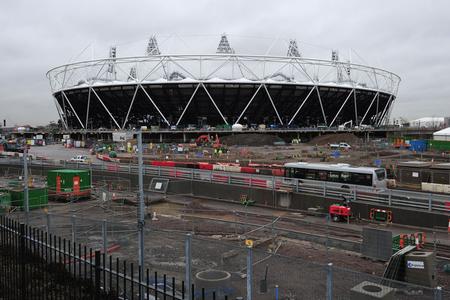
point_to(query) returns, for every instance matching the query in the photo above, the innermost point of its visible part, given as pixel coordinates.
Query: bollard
(330, 281)
(188, 258)
(438, 293)
(276, 292)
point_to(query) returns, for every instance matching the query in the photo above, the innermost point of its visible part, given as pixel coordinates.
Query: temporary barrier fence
(387, 197)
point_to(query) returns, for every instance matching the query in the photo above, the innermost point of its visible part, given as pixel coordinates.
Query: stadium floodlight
(293, 49)
(224, 45)
(152, 46)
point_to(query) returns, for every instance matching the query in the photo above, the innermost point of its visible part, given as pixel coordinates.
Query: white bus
(344, 174)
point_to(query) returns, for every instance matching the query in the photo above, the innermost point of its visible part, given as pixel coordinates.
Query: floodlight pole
(141, 216)
(25, 186)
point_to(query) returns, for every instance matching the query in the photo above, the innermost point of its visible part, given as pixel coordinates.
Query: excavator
(206, 140)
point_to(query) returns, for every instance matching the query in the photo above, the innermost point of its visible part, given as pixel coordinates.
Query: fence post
(105, 237)
(97, 267)
(324, 185)
(330, 281)
(23, 277)
(74, 228)
(438, 293)
(430, 201)
(188, 258)
(48, 223)
(390, 197)
(249, 272)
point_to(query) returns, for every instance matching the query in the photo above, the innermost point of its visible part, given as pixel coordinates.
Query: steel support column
(87, 110)
(248, 104)
(187, 105)
(215, 105)
(356, 107)
(104, 106)
(129, 108)
(342, 106)
(70, 104)
(273, 104)
(61, 115)
(321, 106)
(368, 109)
(301, 105)
(154, 104)
(380, 118)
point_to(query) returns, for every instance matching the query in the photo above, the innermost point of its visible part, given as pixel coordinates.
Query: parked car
(80, 159)
(343, 146)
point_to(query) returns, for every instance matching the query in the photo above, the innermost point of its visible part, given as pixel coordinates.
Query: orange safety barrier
(402, 241)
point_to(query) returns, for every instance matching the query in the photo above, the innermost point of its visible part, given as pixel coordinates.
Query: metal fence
(219, 263)
(37, 265)
(388, 197)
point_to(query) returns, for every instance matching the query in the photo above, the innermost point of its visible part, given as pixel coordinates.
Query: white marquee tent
(442, 135)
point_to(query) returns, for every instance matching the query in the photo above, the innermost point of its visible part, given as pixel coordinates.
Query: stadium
(187, 89)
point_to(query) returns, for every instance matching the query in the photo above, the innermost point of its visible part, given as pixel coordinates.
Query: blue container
(418, 145)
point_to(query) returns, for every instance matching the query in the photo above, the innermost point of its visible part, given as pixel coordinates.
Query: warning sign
(412, 264)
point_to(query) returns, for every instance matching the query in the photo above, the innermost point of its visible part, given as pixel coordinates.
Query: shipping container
(418, 145)
(66, 183)
(439, 145)
(37, 197)
(5, 201)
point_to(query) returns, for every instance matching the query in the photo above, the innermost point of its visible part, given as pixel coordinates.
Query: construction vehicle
(206, 140)
(340, 211)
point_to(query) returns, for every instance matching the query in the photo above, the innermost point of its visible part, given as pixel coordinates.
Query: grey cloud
(409, 38)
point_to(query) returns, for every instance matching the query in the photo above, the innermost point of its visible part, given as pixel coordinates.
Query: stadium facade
(220, 88)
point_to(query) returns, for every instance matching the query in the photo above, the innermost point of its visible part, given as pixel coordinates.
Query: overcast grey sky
(409, 38)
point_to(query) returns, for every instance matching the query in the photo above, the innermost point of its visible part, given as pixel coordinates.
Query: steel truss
(150, 68)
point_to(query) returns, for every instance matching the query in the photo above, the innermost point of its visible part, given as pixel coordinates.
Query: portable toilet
(67, 183)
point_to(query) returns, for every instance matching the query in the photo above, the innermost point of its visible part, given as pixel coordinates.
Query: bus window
(381, 174)
(334, 176)
(346, 177)
(362, 179)
(323, 175)
(310, 174)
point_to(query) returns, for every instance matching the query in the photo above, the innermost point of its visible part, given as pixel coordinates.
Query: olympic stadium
(220, 87)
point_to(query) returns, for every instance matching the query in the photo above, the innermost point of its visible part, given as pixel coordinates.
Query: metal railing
(386, 197)
(37, 265)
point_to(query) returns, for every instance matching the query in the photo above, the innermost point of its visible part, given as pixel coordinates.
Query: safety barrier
(385, 197)
(380, 215)
(400, 241)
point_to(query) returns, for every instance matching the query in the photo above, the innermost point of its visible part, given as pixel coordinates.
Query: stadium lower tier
(198, 104)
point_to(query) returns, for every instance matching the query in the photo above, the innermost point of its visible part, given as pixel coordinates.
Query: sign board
(377, 162)
(158, 186)
(39, 137)
(122, 136)
(415, 174)
(66, 136)
(413, 264)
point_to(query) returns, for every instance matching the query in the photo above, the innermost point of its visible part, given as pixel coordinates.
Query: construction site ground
(218, 231)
